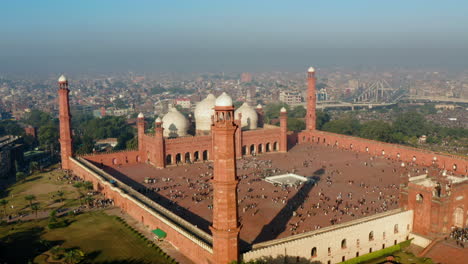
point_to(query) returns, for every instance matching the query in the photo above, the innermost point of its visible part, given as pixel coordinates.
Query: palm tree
(78, 186)
(73, 256)
(88, 185)
(60, 194)
(4, 204)
(30, 198)
(35, 208)
(88, 200)
(34, 166)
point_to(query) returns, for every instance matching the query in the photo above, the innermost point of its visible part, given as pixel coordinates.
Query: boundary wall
(341, 242)
(456, 164)
(187, 238)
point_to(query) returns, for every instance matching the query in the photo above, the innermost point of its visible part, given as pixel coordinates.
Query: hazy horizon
(104, 36)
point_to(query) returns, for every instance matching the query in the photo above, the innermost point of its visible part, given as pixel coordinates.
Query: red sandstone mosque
(242, 190)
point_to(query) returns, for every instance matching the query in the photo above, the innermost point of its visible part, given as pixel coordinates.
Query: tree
(48, 136)
(272, 111)
(73, 256)
(30, 198)
(376, 130)
(322, 118)
(295, 124)
(34, 166)
(60, 194)
(9, 127)
(20, 176)
(88, 200)
(35, 208)
(79, 186)
(87, 185)
(297, 112)
(346, 126)
(411, 124)
(4, 203)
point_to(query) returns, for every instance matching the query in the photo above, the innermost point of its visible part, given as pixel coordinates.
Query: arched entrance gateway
(458, 217)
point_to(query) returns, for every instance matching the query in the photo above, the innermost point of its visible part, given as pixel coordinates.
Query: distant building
(183, 102)
(246, 77)
(32, 131)
(11, 152)
(290, 98)
(322, 95)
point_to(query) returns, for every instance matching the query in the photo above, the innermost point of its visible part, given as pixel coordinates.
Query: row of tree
(405, 129)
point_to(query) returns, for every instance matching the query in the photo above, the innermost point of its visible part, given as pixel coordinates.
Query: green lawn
(100, 236)
(404, 258)
(43, 186)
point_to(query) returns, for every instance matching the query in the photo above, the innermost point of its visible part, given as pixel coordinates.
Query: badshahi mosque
(238, 189)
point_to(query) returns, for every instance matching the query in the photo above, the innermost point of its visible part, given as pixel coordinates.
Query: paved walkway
(164, 245)
(447, 252)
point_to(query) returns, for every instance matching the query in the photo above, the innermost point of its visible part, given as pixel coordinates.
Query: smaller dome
(249, 118)
(140, 115)
(223, 100)
(211, 97)
(158, 120)
(62, 79)
(283, 110)
(259, 106)
(311, 69)
(174, 123)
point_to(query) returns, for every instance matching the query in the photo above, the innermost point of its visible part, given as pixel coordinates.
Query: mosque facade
(223, 135)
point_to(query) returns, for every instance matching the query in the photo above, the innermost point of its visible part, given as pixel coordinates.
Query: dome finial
(62, 79)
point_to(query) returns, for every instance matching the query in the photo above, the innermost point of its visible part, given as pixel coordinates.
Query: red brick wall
(116, 158)
(182, 243)
(406, 154)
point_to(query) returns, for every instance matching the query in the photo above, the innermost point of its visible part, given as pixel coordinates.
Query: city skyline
(90, 36)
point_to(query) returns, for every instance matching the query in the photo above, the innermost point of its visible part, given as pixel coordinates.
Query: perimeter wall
(189, 240)
(456, 164)
(340, 242)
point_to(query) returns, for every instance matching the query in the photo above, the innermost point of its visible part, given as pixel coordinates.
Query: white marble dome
(203, 112)
(249, 119)
(311, 69)
(223, 100)
(175, 124)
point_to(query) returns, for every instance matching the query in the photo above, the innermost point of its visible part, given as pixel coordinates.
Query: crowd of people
(460, 235)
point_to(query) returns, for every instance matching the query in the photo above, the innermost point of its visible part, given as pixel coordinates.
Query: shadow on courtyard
(189, 216)
(279, 224)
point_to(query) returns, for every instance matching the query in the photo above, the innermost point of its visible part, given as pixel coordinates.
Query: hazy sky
(235, 35)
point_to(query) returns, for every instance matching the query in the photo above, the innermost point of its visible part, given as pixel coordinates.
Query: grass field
(403, 257)
(43, 186)
(100, 236)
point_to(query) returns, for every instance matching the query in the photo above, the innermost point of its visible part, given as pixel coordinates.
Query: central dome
(249, 117)
(223, 100)
(203, 112)
(174, 123)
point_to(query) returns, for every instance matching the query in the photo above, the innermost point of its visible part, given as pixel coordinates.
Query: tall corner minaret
(66, 148)
(141, 130)
(311, 99)
(283, 144)
(159, 151)
(225, 228)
